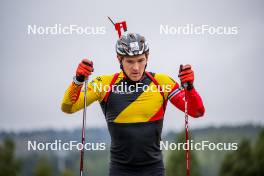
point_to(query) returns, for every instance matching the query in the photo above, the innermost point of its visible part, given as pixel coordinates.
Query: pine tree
(176, 162)
(246, 161)
(68, 172)
(259, 154)
(9, 166)
(43, 167)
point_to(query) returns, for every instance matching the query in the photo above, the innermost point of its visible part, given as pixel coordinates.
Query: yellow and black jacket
(134, 118)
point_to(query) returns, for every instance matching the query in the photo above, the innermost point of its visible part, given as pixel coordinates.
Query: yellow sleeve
(168, 84)
(73, 99)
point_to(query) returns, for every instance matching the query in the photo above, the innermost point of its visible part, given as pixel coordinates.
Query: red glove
(186, 76)
(84, 70)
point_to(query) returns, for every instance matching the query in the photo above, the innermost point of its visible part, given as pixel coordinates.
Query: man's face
(134, 66)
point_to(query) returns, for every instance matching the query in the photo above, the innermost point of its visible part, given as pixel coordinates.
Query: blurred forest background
(248, 160)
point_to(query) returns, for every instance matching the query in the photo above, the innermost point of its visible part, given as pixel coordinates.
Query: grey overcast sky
(35, 70)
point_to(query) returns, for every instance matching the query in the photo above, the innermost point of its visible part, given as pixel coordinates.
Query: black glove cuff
(189, 86)
(80, 78)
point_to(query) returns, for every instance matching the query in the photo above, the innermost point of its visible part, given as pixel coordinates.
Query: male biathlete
(134, 116)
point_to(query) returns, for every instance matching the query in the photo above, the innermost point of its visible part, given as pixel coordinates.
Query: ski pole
(186, 132)
(83, 126)
(187, 154)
